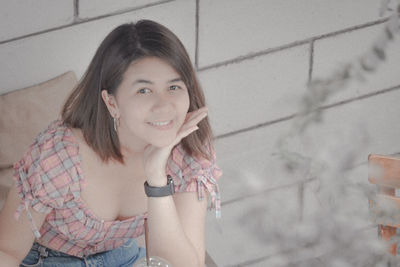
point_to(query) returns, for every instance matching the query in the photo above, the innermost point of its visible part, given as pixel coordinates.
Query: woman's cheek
(185, 102)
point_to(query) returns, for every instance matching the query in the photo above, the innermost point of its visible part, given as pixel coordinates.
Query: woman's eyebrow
(150, 82)
(175, 80)
(142, 81)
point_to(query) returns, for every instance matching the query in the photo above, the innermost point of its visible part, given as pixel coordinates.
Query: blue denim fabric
(123, 256)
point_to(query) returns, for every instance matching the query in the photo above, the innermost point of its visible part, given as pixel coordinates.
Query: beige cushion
(25, 113)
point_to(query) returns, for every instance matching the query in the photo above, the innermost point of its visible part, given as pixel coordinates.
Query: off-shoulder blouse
(49, 179)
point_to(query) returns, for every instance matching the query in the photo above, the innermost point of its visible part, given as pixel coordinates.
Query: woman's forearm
(166, 237)
(8, 260)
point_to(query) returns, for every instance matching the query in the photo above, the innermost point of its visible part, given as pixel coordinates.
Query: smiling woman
(148, 106)
(137, 117)
(121, 50)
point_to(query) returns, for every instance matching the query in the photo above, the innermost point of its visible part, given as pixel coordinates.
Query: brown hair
(85, 108)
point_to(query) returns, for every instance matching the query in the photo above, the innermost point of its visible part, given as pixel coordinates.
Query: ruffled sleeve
(45, 175)
(196, 175)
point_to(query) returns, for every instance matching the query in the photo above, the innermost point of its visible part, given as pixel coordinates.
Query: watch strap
(154, 191)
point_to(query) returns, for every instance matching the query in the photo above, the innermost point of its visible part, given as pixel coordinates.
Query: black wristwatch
(167, 190)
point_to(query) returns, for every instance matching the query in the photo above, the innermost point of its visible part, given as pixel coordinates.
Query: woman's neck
(130, 146)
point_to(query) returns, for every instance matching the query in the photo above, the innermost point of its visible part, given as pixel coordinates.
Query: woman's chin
(160, 143)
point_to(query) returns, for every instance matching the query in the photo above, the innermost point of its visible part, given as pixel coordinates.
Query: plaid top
(49, 179)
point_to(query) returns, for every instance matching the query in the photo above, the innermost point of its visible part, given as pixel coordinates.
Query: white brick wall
(254, 59)
(23, 17)
(233, 28)
(93, 8)
(257, 90)
(331, 53)
(47, 55)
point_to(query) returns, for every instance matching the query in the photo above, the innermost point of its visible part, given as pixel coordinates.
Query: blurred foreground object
(154, 261)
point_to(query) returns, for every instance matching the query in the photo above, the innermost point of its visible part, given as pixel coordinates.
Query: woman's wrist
(157, 180)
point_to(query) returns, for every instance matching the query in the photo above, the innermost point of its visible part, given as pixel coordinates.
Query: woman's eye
(174, 87)
(143, 90)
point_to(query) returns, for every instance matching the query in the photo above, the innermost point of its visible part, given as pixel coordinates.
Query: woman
(132, 132)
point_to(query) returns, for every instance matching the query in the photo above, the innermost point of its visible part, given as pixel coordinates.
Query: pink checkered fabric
(49, 179)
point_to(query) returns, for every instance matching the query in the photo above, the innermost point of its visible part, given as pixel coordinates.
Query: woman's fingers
(190, 124)
(195, 117)
(183, 133)
(192, 114)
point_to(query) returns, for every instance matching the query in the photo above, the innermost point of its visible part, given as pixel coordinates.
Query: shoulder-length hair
(85, 108)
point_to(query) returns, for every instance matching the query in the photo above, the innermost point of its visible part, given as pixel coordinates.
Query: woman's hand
(155, 158)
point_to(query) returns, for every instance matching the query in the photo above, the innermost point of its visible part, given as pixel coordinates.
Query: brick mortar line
(311, 62)
(361, 97)
(76, 10)
(265, 191)
(78, 21)
(254, 127)
(252, 55)
(123, 11)
(342, 102)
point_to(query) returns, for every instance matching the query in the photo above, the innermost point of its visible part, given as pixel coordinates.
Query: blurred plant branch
(333, 235)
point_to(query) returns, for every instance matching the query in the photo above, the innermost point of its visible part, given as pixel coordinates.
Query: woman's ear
(111, 103)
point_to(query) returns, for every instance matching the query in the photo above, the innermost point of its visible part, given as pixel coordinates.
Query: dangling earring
(116, 123)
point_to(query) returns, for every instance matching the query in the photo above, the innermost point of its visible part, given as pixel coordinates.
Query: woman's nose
(162, 104)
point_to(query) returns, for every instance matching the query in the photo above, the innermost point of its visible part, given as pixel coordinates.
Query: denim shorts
(123, 256)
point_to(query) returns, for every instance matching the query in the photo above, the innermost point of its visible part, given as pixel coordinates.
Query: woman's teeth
(160, 123)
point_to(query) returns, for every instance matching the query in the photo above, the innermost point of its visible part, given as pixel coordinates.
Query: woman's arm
(176, 229)
(16, 237)
(170, 233)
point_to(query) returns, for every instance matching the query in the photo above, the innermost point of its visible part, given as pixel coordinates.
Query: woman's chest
(114, 195)
(112, 190)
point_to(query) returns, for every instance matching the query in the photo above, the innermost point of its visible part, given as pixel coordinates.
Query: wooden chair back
(384, 172)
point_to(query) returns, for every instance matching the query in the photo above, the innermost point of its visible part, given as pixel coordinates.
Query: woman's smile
(152, 103)
(166, 125)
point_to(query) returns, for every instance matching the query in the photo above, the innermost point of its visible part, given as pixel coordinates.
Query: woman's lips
(162, 127)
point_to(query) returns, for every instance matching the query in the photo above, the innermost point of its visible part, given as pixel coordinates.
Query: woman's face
(151, 92)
